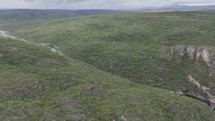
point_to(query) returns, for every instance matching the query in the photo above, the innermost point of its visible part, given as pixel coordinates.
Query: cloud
(97, 4)
(56, 1)
(69, 1)
(124, 1)
(28, 0)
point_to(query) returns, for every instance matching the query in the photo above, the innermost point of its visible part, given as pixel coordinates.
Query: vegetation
(132, 45)
(37, 84)
(10, 17)
(108, 61)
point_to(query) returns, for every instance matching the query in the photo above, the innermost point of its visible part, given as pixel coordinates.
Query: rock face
(195, 52)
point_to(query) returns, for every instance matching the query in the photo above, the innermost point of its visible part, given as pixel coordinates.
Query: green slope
(12, 16)
(135, 46)
(36, 84)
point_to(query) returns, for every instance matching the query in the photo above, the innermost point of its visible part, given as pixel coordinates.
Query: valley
(128, 66)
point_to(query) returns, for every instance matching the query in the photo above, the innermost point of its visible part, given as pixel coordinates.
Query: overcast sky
(98, 4)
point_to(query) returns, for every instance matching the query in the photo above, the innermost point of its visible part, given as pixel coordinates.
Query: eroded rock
(210, 98)
(196, 52)
(11, 49)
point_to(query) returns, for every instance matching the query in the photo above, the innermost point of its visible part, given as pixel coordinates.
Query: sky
(98, 4)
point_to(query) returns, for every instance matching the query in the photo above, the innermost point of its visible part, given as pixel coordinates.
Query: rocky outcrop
(4, 34)
(210, 98)
(52, 47)
(196, 52)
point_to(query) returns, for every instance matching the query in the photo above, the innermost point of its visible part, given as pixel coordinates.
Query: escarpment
(196, 52)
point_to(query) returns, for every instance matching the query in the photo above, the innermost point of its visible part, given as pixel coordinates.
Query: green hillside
(146, 48)
(12, 16)
(37, 84)
(128, 67)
